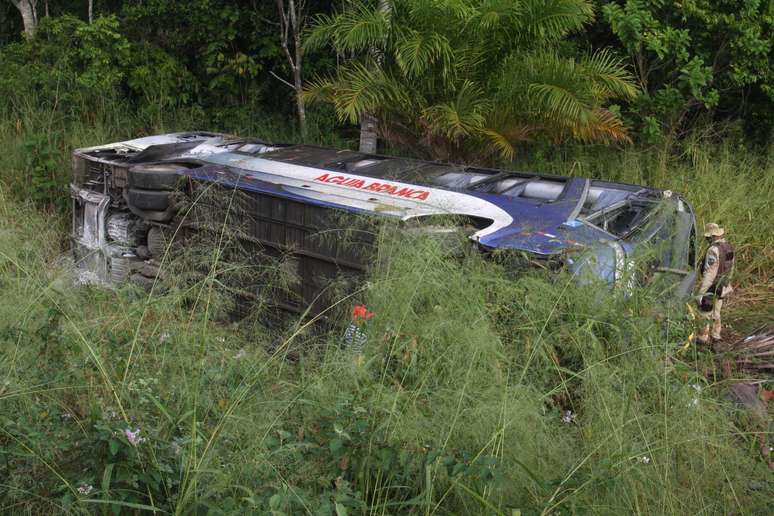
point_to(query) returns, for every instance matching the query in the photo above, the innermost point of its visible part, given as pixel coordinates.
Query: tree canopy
(456, 79)
(451, 77)
(695, 57)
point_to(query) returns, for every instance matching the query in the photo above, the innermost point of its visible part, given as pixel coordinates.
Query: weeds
(478, 391)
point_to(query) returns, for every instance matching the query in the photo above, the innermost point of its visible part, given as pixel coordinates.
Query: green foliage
(459, 403)
(75, 64)
(216, 42)
(455, 406)
(359, 462)
(45, 186)
(228, 49)
(694, 56)
(449, 78)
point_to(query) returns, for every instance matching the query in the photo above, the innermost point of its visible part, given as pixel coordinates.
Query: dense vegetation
(480, 392)
(510, 72)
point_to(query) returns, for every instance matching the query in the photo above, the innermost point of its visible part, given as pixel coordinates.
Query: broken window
(458, 179)
(622, 220)
(410, 171)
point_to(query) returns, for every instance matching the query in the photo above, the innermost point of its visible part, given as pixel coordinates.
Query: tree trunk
(299, 87)
(292, 20)
(29, 17)
(91, 11)
(298, 81)
(368, 136)
(301, 113)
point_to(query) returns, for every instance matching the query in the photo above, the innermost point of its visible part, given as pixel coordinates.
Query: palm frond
(565, 96)
(361, 27)
(321, 89)
(603, 126)
(547, 20)
(609, 75)
(470, 60)
(427, 13)
(418, 51)
(320, 32)
(500, 143)
(559, 103)
(359, 89)
(494, 15)
(463, 116)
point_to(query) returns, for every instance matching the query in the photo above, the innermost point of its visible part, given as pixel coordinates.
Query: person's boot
(716, 328)
(702, 336)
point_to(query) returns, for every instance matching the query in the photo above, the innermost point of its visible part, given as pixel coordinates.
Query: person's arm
(711, 266)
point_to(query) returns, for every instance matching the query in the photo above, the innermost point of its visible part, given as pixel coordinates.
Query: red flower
(360, 312)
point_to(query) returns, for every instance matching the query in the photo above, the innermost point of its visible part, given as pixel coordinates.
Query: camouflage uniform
(716, 268)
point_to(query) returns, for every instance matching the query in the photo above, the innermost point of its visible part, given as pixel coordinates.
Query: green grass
(724, 183)
(455, 407)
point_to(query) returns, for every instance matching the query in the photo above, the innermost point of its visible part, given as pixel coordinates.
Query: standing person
(716, 268)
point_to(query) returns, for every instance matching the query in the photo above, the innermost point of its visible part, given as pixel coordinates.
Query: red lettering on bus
(355, 183)
(388, 189)
(385, 188)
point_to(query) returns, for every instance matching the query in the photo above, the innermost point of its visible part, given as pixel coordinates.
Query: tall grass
(38, 135)
(479, 391)
(724, 183)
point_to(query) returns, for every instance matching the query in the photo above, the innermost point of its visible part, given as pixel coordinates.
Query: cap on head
(711, 229)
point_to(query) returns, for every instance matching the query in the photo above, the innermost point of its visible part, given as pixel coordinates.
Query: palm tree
(455, 78)
(368, 121)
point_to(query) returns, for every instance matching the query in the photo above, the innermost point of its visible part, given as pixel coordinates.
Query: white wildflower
(644, 459)
(85, 489)
(568, 417)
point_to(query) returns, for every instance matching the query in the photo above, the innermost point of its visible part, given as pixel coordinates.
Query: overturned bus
(135, 200)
